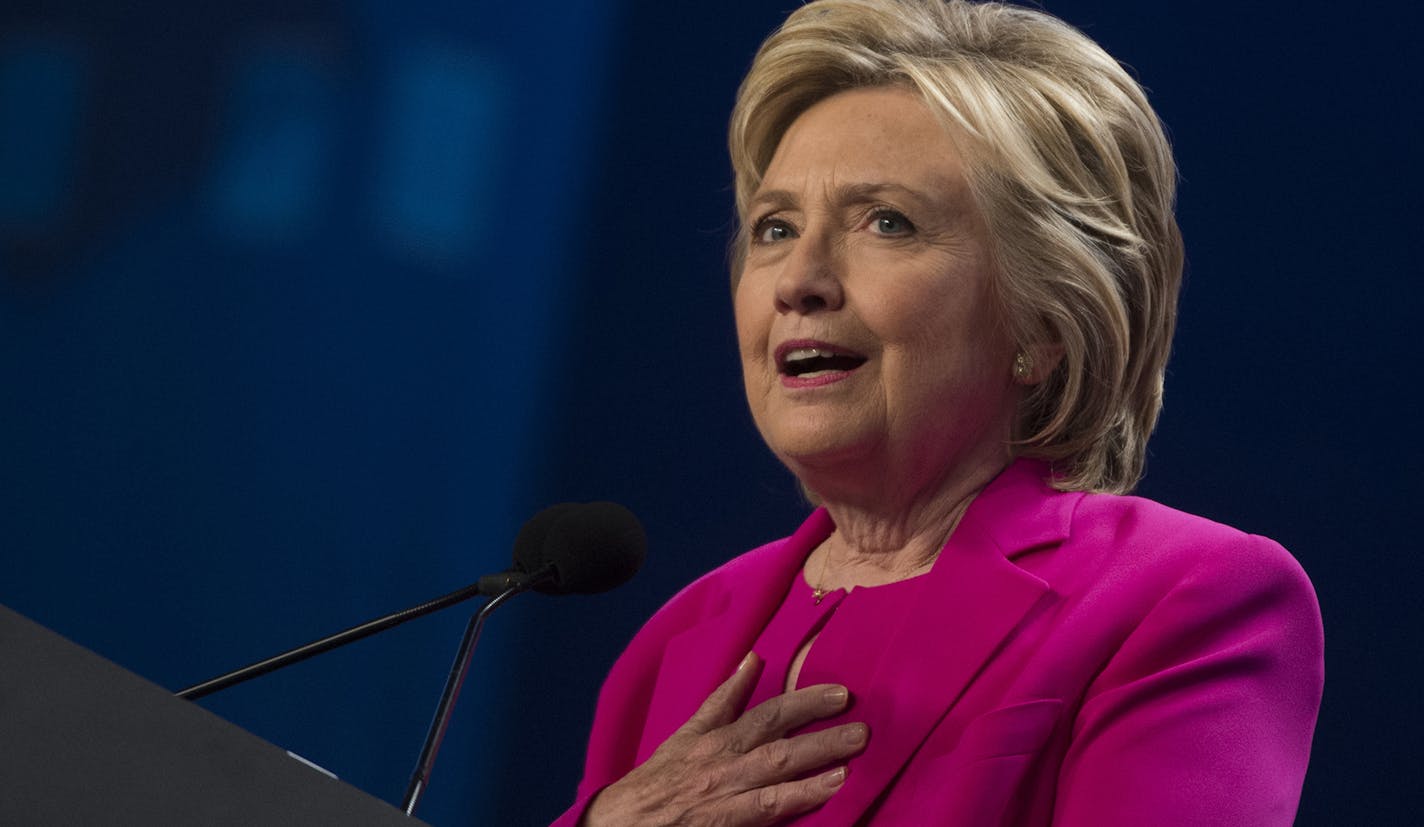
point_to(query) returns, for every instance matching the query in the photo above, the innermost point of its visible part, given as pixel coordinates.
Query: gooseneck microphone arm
(420, 777)
(570, 548)
(366, 629)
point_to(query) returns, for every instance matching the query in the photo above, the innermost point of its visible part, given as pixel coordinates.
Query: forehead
(883, 133)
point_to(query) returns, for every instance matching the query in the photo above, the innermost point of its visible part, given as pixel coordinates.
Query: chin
(817, 447)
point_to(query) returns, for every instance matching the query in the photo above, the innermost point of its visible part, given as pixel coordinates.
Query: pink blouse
(840, 650)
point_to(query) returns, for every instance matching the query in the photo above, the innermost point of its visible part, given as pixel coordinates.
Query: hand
(725, 768)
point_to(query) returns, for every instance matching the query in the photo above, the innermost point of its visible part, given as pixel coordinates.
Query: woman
(955, 289)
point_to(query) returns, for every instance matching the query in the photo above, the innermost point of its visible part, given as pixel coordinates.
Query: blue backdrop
(304, 306)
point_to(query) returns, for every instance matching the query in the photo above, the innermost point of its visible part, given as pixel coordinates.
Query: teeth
(810, 362)
(801, 353)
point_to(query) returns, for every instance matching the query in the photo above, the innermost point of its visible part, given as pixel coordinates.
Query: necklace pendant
(818, 594)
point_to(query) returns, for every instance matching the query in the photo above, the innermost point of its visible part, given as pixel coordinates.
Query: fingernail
(836, 777)
(855, 734)
(746, 661)
(837, 695)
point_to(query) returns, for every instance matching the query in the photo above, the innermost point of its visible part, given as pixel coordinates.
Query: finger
(726, 701)
(788, 758)
(771, 804)
(774, 718)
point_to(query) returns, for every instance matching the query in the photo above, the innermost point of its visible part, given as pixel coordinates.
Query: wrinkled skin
(725, 767)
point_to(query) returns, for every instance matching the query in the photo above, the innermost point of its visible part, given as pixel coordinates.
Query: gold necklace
(819, 592)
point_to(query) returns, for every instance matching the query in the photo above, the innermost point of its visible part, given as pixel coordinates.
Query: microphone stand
(506, 581)
(420, 778)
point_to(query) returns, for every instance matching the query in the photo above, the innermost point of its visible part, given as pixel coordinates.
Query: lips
(809, 360)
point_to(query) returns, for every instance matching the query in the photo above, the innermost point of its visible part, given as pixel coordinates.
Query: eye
(771, 230)
(890, 222)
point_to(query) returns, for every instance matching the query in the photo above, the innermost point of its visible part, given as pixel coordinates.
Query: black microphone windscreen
(593, 548)
(530, 544)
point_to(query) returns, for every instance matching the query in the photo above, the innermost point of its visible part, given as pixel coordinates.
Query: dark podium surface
(85, 742)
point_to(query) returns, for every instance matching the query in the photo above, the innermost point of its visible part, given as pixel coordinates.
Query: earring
(1023, 365)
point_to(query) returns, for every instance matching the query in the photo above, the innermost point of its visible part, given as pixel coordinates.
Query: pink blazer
(1078, 659)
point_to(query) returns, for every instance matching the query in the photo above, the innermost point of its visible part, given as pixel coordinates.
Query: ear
(1039, 360)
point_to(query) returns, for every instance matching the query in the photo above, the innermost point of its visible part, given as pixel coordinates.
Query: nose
(810, 281)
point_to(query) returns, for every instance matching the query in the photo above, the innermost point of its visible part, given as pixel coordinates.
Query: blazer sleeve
(616, 726)
(1204, 714)
(626, 696)
(617, 721)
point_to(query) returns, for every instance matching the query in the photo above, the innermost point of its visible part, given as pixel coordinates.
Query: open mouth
(809, 362)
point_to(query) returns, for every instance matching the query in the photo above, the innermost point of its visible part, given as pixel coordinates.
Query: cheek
(938, 335)
(919, 324)
(753, 327)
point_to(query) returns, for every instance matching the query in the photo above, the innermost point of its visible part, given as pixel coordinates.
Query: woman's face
(867, 330)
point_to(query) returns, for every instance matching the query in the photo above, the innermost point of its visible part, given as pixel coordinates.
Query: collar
(976, 596)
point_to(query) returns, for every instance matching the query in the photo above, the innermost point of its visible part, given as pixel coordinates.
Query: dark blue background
(304, 306)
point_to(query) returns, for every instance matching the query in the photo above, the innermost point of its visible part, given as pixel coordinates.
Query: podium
(85, 742)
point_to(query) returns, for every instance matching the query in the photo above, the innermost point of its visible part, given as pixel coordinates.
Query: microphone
(550, 555)
(565, 549)
(528, 550)
(589, 549)
(574, 548)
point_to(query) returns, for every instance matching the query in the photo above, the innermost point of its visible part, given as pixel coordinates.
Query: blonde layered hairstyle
(1071, 170)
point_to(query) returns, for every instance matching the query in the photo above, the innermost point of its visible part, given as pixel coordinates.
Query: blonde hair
(1071, 169)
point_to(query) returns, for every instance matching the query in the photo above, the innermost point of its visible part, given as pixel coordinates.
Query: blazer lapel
(973, 600)
(698, 660)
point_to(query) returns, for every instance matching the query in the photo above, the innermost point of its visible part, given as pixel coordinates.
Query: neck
(881, 539)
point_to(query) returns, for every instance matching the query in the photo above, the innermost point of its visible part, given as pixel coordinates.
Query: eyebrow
(853, 193)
